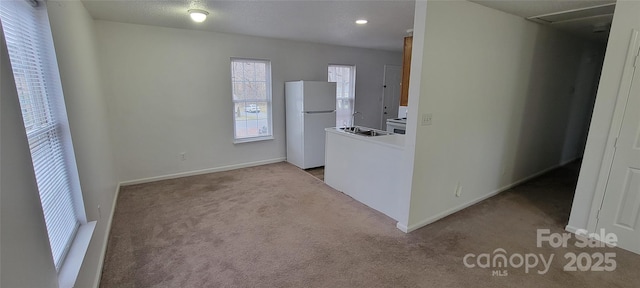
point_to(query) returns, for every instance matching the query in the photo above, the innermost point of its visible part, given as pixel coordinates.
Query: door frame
(383, 123)
(624, 91)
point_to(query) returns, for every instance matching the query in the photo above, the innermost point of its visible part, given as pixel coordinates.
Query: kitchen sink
(364, 132)
(350, 129)
(371, 133)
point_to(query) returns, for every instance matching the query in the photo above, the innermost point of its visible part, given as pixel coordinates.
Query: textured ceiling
(330, 22)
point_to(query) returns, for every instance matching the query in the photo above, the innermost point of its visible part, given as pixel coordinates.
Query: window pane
(344, 76)
(252, 99)
(261, 91)
(238, 91)
(252, 119)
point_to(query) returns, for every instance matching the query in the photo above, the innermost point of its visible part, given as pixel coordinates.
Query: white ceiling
(530, 8)
(330, 22)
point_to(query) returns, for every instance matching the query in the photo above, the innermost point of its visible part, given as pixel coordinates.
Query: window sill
(252, 139)
(72, 263)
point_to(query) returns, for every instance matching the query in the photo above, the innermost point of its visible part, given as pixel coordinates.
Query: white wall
(586, 84)
(408, 155)
(500, 91)
(73, 36)
(26, 257)
(625, 19)
(168, 91)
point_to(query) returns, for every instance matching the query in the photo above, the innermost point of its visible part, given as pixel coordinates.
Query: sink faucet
(353, 119)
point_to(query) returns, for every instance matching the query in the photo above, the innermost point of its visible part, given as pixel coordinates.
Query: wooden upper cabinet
(406, 70)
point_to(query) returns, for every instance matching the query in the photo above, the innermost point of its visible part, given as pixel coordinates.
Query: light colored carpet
(277, 226)
(316, 172)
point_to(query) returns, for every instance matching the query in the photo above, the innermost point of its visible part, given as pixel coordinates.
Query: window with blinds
(26, 28)
(345, 78)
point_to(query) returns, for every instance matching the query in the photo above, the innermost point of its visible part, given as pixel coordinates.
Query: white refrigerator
(311, 107)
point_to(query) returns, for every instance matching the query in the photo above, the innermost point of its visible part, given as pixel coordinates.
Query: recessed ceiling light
(362, 21)
(198, 15)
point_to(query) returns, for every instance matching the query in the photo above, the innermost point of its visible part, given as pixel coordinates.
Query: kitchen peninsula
(367, 168)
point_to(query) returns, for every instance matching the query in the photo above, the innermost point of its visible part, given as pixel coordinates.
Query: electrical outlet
(427, 119)
(183, 156)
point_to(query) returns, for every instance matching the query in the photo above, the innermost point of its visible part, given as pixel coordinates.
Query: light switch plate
(427, 119)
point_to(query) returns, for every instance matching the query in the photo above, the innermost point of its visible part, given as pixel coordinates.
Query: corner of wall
(73, 34)
(415, 82)
(105, 240)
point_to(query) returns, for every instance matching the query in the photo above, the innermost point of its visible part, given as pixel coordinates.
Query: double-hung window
(35, 70)
(251, 88)
(345, 78)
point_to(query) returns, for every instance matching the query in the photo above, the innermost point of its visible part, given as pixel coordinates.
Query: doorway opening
(391, 93)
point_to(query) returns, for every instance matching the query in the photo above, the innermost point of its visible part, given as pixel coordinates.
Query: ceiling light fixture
(362, 21)
(198, 15)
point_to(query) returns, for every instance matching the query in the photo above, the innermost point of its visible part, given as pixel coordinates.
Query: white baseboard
(103, 253)
(448, 212)
(570, 160)
(402, 227)
(203, 171)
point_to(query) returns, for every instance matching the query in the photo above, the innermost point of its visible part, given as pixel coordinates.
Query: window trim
(269, 91)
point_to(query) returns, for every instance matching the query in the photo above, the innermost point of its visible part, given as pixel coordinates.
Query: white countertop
(393, 140)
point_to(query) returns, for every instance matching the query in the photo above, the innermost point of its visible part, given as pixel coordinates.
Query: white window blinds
(30, 46)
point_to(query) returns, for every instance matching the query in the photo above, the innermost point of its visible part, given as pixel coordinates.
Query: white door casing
(391, 93)
(620, 209)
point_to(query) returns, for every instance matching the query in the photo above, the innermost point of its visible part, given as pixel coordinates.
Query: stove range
(397, 125)
(398, 120)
